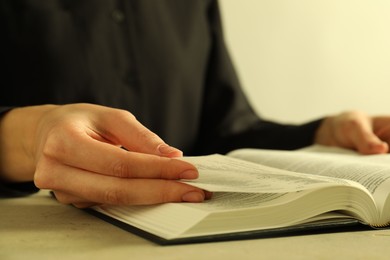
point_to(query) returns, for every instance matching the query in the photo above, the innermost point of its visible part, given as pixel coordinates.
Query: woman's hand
(89, 154)
(356, 130)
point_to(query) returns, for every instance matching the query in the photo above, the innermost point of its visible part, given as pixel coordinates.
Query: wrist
(323, 134)
(18, 131)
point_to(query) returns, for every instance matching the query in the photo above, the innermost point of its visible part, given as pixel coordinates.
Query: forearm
(17, 135)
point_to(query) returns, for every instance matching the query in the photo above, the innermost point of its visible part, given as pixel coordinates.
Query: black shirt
(165, 61)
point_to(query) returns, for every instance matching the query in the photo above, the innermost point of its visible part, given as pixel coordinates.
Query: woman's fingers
(103, 158)
(91, 154)
(357, 130)
(83, 187)
(352, 130)
(89, 137)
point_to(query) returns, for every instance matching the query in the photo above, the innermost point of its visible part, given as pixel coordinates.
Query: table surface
(38, 227)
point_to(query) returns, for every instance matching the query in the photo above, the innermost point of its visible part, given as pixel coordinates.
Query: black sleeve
(228, 120)
(3, 110)
(19, 189)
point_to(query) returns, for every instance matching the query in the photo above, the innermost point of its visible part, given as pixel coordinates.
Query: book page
(232, 201)
(165, 220)
(226, 211)
(248, 211)
(370, 171)
(218, 173)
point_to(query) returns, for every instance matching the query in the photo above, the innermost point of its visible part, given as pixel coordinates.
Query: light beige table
(37, 227)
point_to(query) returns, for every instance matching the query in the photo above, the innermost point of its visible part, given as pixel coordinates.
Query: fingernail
(189, 174)
(193, 196)
(167, 150)
(380, 147)
(208, 194)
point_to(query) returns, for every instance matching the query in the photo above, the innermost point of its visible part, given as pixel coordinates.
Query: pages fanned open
(259, 193)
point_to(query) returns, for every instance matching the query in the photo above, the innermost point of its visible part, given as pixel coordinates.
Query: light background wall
(301, 59)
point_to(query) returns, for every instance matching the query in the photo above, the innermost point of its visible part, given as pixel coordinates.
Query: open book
(259, 191)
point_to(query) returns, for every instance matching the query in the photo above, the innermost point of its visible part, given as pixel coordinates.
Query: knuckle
(121, 169)
(61, 197)
(145, 134)
(160, 167)
(39, 180)
(115, 197)
(42, 179)
(167, 191)
(165, 168)
(350, 124)
(55, 144)
(121, 114)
